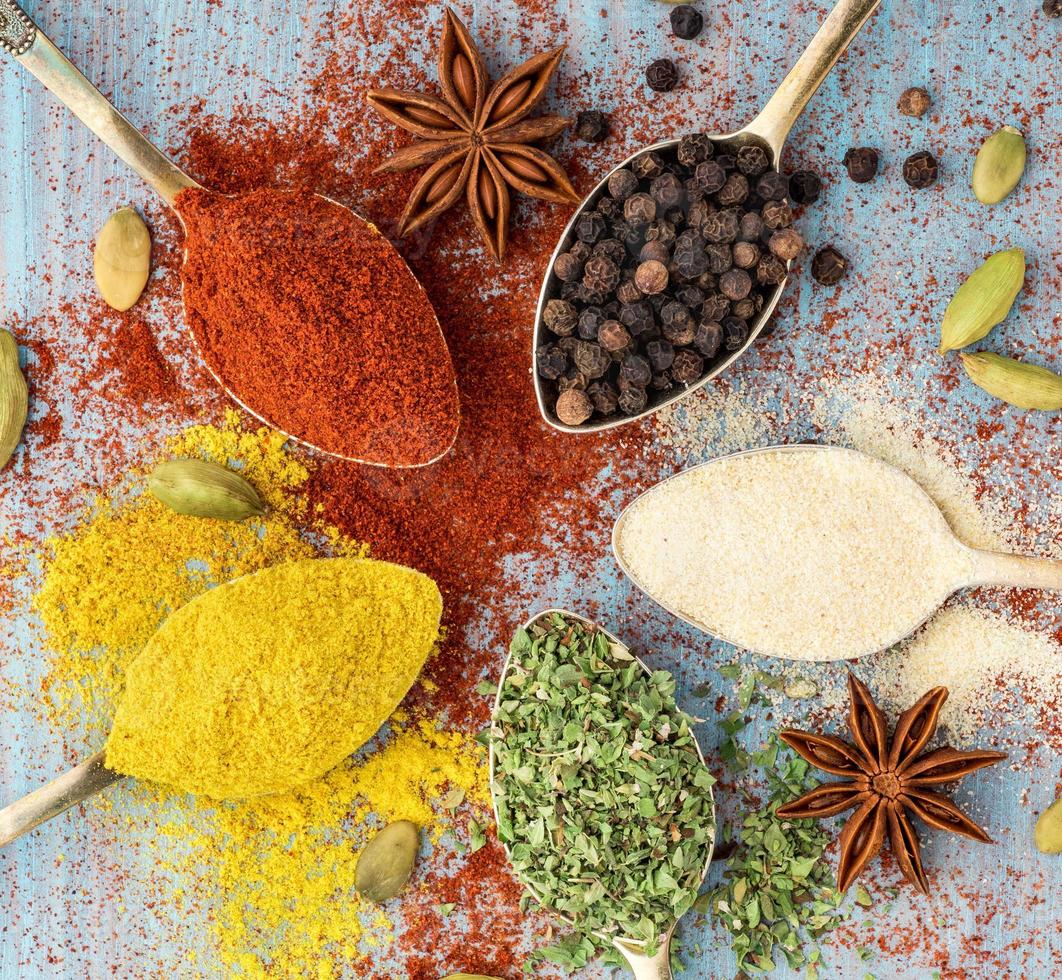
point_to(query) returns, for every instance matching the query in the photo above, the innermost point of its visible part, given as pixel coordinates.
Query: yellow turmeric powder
(273, 679)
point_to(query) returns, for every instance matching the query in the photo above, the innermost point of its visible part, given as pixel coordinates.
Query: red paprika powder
(309, 318)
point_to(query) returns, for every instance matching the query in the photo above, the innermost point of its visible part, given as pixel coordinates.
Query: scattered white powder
(805, 553)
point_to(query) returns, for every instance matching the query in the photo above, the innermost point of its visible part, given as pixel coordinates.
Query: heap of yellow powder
(273, 679)
(261, 887)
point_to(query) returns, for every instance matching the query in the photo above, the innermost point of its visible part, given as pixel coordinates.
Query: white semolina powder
(806, 553)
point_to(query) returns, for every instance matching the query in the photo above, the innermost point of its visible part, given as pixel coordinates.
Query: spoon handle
(53, 798)
(1017, 571)
(656, 967)
(20, 37)
(781, 111)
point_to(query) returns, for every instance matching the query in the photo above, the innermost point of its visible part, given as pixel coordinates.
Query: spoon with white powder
(805, 552)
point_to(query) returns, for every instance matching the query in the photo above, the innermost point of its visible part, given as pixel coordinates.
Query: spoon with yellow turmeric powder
(259, 685)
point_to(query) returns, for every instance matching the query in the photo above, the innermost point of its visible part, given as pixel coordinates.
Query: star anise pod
(888, 780)
(476, 140)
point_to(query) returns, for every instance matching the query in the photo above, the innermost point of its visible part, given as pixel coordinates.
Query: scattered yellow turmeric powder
(272, 679)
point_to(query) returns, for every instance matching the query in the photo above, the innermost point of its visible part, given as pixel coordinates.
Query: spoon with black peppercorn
(597, 367)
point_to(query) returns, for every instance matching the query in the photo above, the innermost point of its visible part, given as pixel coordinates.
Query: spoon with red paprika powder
(302, 311)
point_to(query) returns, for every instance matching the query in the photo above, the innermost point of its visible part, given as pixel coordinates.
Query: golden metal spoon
(645, 967)
(984, 567)
(768, 130)
(21, 38)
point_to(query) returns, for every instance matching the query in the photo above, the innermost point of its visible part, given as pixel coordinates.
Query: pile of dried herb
(603, 801)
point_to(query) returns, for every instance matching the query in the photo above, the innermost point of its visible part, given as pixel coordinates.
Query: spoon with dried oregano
(601, 794)
(291, 298)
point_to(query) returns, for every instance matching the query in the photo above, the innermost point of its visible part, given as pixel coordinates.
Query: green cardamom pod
(1018, 383)
(203, 489)
(386, 863)
(983, 300)
(122, 260)
(999, 165)
(14, 398)
(1048, 833)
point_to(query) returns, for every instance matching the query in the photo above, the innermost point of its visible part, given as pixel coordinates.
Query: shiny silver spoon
(645, 967)
(22, 39)
(985, 568)
(768, 130)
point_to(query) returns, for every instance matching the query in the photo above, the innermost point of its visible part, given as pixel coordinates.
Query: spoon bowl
(983, 568)
(22, 39)
(769, 131)
(645, 966)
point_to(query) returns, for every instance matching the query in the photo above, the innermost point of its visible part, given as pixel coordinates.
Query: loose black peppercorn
(694, 148)
(609, 207)
(689, 263)
(735, 333)
(590, 226)
(574, 407)
(744, 309)
(568, 267)
(690, 296)
(709, 175)
(773, 186)
(920, 169)
(648, 165)
(687, 368)
(572, 378)
(914, 102)
(591, 126)
(708, 338)
(628, 292)
(804, 187)
(777, 214)
(720, 258)
(651, 276)
(861, 162)
(662, 231)
(686, 22)
(613, 336)
(715, 307)
(604, 397)
(1053, 8)
(560, 316)
(751, 227)
(662, 75)
(786, 243)
(752, 160)
(590, 321)
(661, 381)
(721, 227)
(551, 361)
(637, 318)
(829, 266)
(592, 359)
(600, 274)
(667, 191)
(639, 209)
(635, 370)
(770, 270)
(746, 255)
(657, 251)
(660, 354)
(694, 193)
(734, 191)
(622, 184)
(735, 284)
(632, 400)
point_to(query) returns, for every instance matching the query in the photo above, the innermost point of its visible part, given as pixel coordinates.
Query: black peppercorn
(734, 191)
(639, 209)
(708, 338)
(751, 227)
(667, 191)
(920, 169)
(632, 400)
(777, 214)
(773, 186)
(651, 276)
(662, 75)
(710, 177)
(688, 366)
(744, 309)
(786, 243)
(560, 316)
(721, 227)
(613, 336)
(609, 207)
(715, 307)
(637, 318)
(686, 22)
(600, 274)
(657, 251)
(590, 226)
(568, 267)
(574, 407)
(914, 102)
(572, 378)
(660, 231)
(752, 160)
(690, 296)
(770, 270)
(720, 258)
(628, 291)
(804, 187)
(861, 162)
(613, 249)
(551, 361)
(1053, 8)
(746, 255)
(694, 148)
(735, 284)
(604, 397)
(635, 370)
(622, 184)
(661, 381)
(829, 266)
(677, 324)
(660, 354)
(590, 321)
(592, 359)
(735, 333)
(689, 263)
(591, 126)
(648, 165)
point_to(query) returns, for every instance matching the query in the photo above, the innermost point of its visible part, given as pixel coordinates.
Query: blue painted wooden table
(996, 911)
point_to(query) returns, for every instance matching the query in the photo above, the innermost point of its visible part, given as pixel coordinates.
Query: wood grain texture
(75, 902)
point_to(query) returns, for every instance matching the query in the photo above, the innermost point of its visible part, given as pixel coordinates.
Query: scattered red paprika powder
(310, 319)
